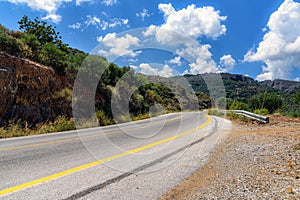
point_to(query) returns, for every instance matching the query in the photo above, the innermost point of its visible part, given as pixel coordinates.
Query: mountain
(241, 88)
(283, 85)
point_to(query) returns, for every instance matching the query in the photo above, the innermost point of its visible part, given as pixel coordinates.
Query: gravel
(254, 162)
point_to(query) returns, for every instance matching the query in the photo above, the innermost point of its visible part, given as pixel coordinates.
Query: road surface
(136, 160)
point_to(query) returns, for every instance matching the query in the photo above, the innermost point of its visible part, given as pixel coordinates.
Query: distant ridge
(283, 85)
(240, 87)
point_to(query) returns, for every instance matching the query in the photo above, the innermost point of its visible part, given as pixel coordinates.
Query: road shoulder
(253, 162)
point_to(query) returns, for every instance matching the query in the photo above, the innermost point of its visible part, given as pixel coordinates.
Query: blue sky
(250, 37)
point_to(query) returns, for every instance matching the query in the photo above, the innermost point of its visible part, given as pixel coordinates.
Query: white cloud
(227, 63)
(143, 14)
(119, 46)
(147, 69)
(102, 24)
(79, 2)
(109, 2)
(203, 59)
(75, 26)
(191, 21)
(92, 20)
(118, 22)
(167, 9)
(280, 47)
(166, 71)
(49, 6)
(176, 61)
(53, 17)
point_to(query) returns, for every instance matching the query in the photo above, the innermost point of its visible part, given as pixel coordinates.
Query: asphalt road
(136, 160)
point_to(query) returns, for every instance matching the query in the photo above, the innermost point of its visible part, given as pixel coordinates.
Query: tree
(52, 56)
(45, 33)
(270, 101)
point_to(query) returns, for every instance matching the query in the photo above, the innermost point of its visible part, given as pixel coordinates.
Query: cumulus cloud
(143, 14)
(191, 21)
(227, 63)
(119, 46)
(203, 59)
(109, 2)
(176, 61)
(280, 47)
(147, 69)
(49, 6)
(53, 17)
(166, 71)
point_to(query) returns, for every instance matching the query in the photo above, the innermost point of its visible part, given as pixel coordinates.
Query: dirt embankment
(254, 162)
(30, 91)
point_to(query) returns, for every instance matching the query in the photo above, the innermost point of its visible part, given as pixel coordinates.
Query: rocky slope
(241, 87)
(283, 85)
(31, 92)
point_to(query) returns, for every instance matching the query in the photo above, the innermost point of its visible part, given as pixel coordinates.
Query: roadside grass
(62, 123)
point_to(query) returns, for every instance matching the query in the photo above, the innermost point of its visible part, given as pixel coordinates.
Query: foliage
(103, 119)
(237, 105)
(8, 43)
(41, 43)
(262, 111)
(61, 123)
(270, 101)
(44, 33)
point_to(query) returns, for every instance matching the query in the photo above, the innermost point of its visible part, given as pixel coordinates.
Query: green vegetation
(237, 105)
(247, 94)
(270, 101)
(40, 42)
(61, 123)
(262, 111)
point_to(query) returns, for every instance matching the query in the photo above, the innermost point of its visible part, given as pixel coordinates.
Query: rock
(27, 91)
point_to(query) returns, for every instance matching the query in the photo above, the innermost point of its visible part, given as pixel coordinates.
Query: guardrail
(251, 115)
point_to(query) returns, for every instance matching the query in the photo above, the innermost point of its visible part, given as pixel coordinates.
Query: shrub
(262, 111)
(61, 123)
(237, 105)
(103, 119)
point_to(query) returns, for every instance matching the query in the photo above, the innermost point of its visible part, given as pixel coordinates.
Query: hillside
(38, 71)
(241, 88)
(31, 92)
(283, 85)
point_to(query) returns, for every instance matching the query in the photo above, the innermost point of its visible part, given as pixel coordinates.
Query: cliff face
(31, 92)
(283, 85)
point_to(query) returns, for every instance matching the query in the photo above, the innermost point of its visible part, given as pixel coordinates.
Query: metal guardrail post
(260, 118)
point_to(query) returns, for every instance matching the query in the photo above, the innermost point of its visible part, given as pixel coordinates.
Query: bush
(295, 114)
(103, 119)
(215, 112)
(237, 105)
(61, 123)
(262, 111)
(10, 45)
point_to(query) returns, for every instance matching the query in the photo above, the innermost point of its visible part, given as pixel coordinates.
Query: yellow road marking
(82, 167)
(72, 139)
